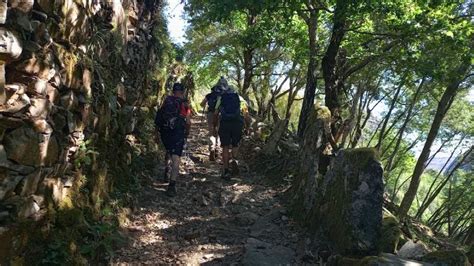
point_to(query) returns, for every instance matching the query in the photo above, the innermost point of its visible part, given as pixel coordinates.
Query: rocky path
(211, 221)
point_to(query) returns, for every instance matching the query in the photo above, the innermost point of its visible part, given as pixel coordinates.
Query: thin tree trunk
(348, 129)
(430, 197)
(248, 61)
(443, 107)
(461, 221)
(394, 195)
(469, 239)
(404, 125)
(311, 78)
(390, 110)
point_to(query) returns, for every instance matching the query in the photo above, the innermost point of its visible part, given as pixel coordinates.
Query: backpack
(168, 116)
(212, 101)
(230, 106)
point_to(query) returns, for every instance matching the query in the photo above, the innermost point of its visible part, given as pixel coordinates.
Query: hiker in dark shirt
(209, 103)
(231, 110)
(173, 122)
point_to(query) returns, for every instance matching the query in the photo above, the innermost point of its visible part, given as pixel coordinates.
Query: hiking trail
(211, 221)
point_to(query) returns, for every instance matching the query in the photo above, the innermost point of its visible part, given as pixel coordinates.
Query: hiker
(212, 123)
(173, 122)
(232, 109)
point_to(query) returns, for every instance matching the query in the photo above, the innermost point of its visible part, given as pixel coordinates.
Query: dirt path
(211, 221)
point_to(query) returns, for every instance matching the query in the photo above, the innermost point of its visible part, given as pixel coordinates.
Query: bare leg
(235, 152)
(167, 167)
(175, 161)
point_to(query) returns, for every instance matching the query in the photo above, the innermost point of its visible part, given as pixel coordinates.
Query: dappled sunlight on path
(211, 221)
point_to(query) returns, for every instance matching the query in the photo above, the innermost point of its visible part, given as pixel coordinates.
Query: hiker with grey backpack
(230, 110)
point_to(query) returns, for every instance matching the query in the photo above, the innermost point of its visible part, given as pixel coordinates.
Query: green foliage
(84, 154)
(418, 46)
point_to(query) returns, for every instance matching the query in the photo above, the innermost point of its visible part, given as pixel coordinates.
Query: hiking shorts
(173, 141)
(230, 132)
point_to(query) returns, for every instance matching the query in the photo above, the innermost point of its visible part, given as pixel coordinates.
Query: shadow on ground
(211, 221)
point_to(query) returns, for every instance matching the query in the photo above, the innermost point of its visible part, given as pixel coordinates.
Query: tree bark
(311, 78)
(329, 62)
(248, 61)
(443, 107)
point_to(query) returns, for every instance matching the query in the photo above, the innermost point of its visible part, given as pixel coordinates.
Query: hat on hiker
(178, 87)
(223, 83)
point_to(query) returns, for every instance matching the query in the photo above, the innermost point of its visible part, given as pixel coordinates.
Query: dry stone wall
(72, 72)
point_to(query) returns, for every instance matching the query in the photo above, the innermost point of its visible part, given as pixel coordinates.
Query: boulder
(69, 101)
(30, 185)
(17, 168)
(350, 208)
(8, 184)
(25, 146)
(52, 94)
(39, 108)
(28, 208)
(7, 122)
(391, 232)
(413, 250)
(10, 45)
(447, 258)
(42, 126)
(37, 87)
(40, 66)
(22, 5)
(15, 104)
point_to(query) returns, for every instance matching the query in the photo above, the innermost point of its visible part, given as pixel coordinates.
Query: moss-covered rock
(351, 202)
(391, 233)
(447, 257)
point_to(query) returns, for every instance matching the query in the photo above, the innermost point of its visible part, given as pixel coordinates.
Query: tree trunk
(387, 117)
(248, 61)
(354, 112)
(443, 107)
(311, 78)
(329, 62)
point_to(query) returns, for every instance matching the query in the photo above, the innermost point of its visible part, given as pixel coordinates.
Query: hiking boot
(171, 191)
(235, 167)
(212, 156)
(226, 175)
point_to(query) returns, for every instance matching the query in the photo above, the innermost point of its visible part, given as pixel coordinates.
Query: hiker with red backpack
(173, 122)
(231, 109)
(212, 123)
